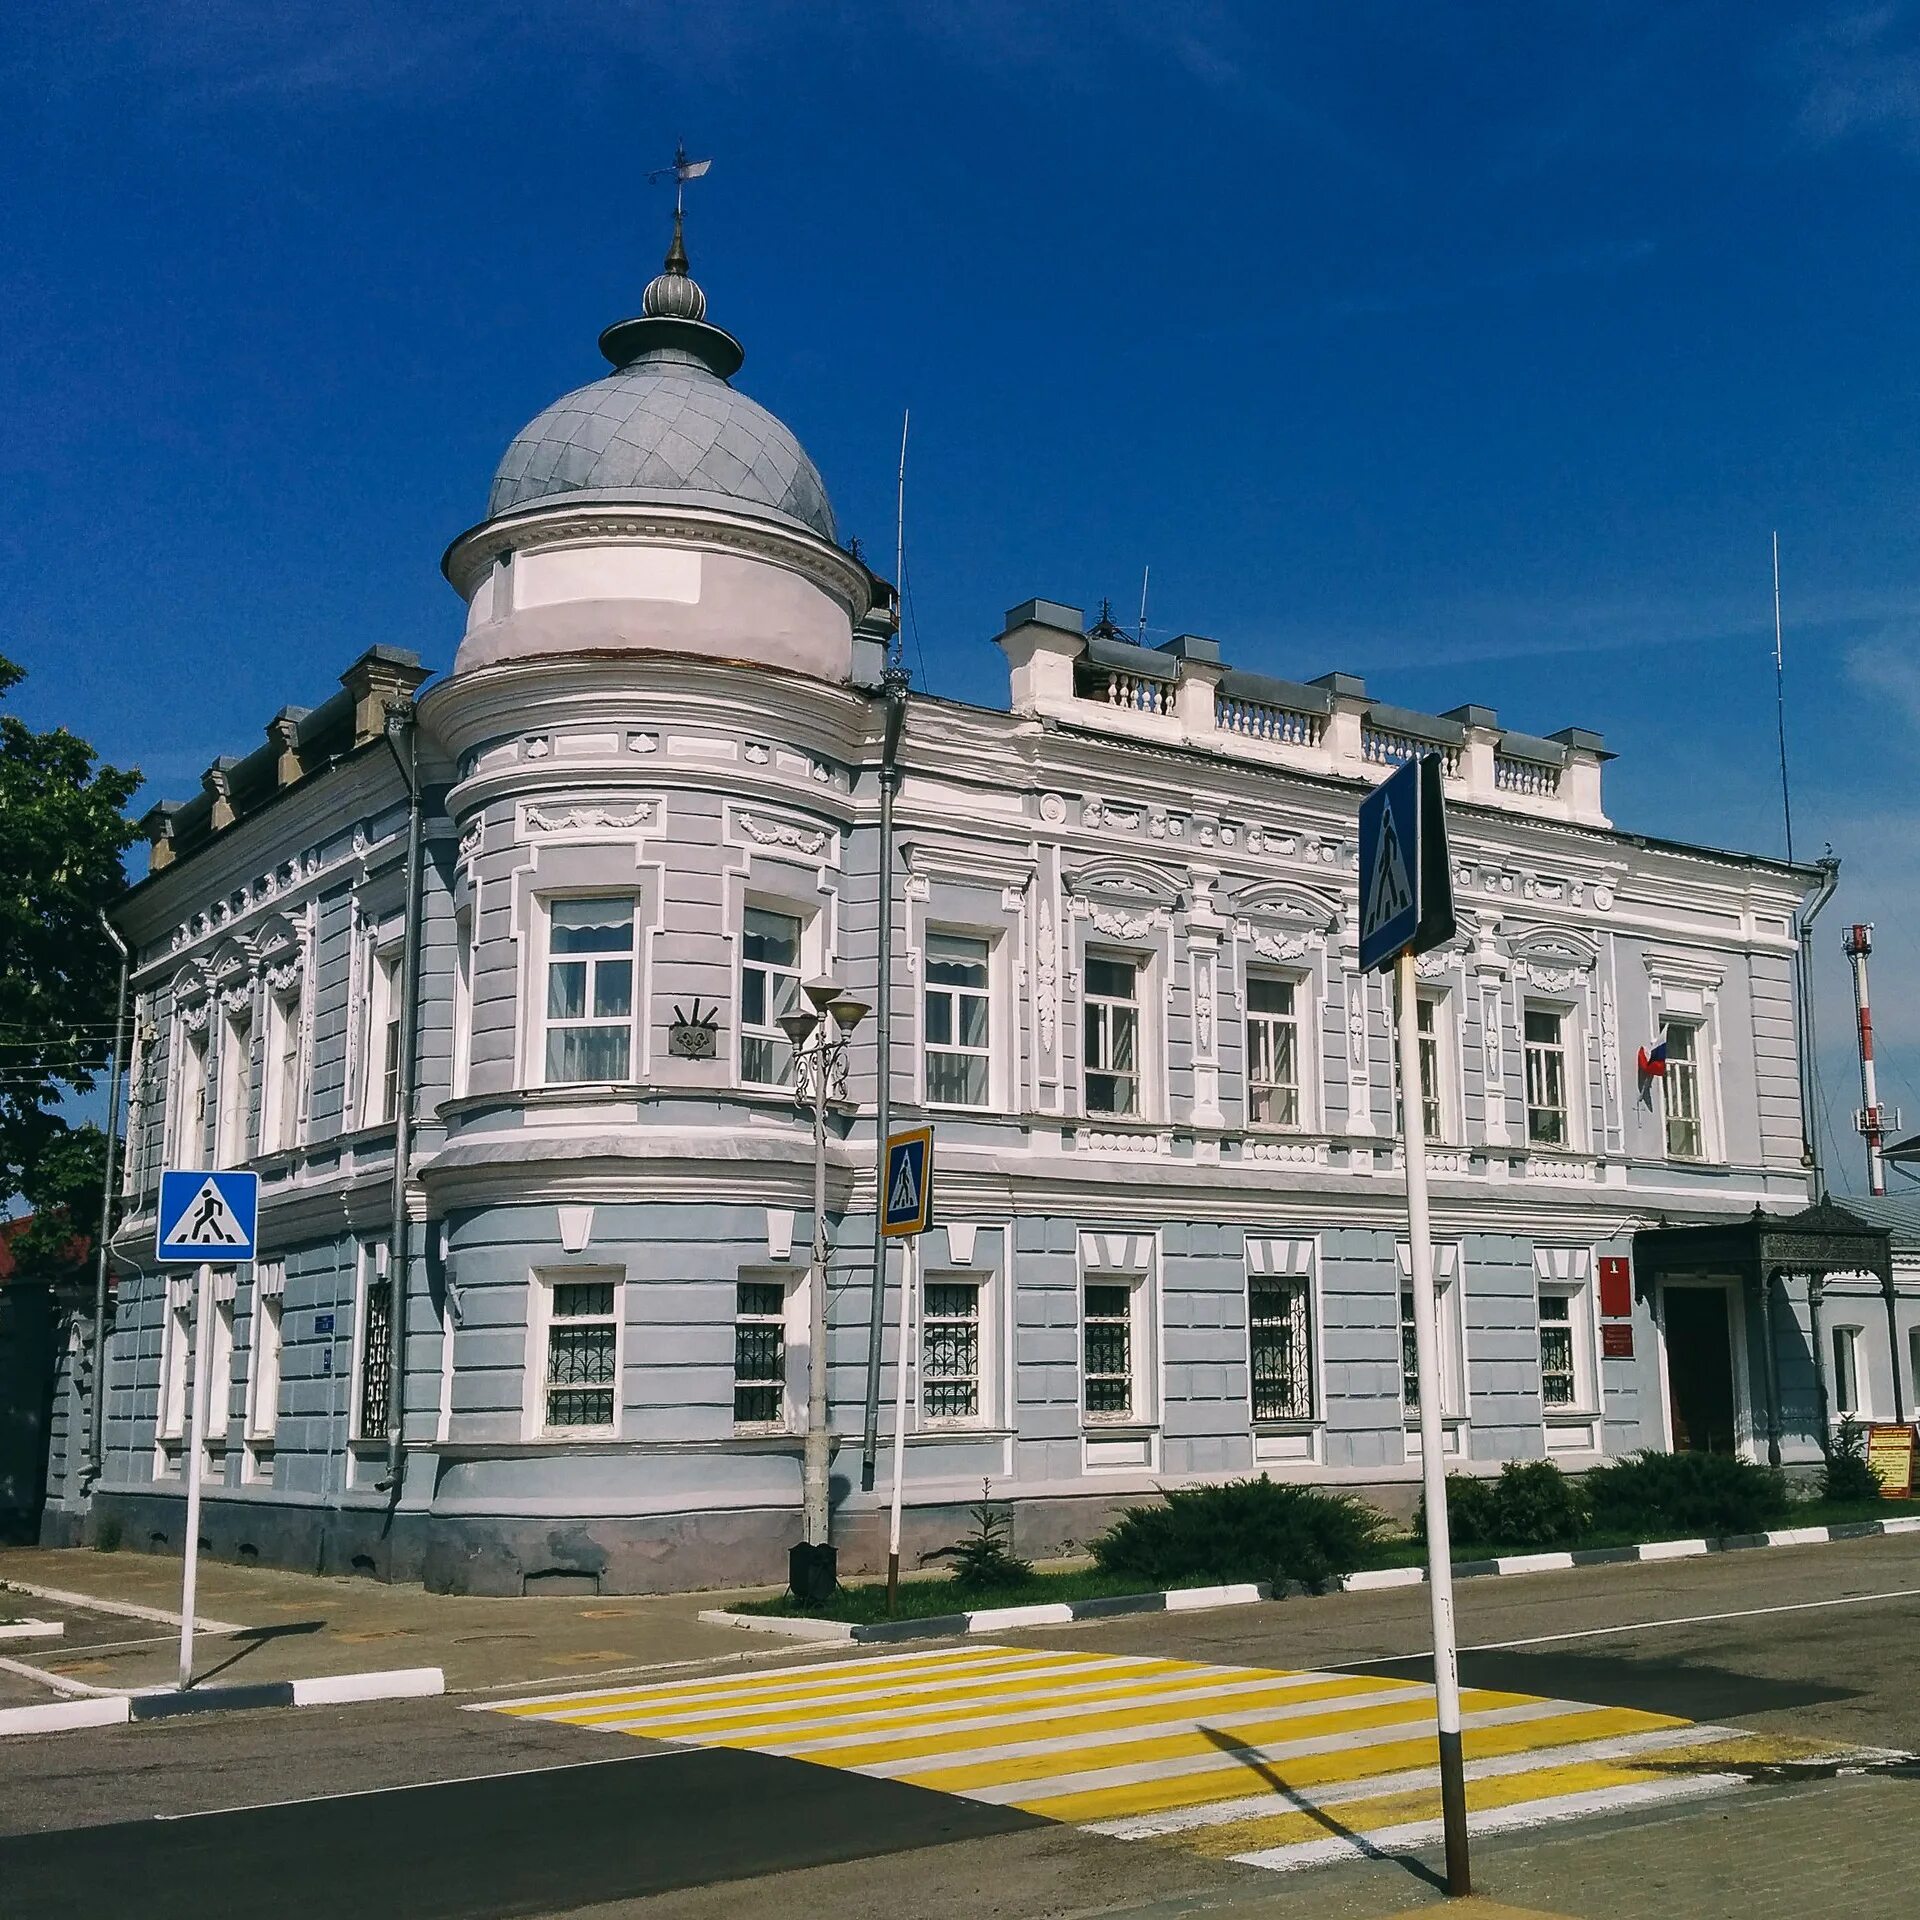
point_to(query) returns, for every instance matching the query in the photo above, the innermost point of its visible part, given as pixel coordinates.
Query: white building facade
(1169, 1242)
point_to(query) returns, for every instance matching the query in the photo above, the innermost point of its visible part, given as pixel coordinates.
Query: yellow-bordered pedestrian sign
(907, 1205)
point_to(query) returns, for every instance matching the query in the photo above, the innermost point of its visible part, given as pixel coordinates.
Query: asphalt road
(420, 1809)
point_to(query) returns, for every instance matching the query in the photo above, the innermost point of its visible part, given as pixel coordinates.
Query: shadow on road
(251, 1638)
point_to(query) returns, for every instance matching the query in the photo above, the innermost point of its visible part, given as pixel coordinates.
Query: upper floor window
(1112, 1034)
(460, 1076)
(1273, 1053)
(187, 1109)
(1680, 1091)
(957, 1021)
(236, 1087)
(769, 988)
(590, 1000)
(1432, 1106)
(382, 1078)
(1548, 1115)
(280, 1072)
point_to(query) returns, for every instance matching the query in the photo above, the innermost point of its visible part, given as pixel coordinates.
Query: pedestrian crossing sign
(207, 1216)
(907, 1207)
(1406, 881)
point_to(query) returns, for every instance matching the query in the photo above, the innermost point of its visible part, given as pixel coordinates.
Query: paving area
(1268, 1769)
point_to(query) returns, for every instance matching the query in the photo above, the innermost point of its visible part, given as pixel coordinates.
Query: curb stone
(116, 1709)
(1054, 1613)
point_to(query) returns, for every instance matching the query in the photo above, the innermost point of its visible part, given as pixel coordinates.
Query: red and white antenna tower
(1871, 1120)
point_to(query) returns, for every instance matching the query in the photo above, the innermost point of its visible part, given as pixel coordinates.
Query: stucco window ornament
(1609, 1043)
(1047, 971)
(1357, 1026)
(471, 839)
(1118, 924)
(1553, 962)
(1053, 809)
(601, 818)
(783, 833)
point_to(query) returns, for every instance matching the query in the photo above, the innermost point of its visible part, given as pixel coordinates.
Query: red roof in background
(76, 1249)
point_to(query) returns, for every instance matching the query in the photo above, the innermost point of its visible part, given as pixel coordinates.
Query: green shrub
(1532, 1504)
(1846, 1476)
(985, 1558)
(1684, 1494)
(1244, 1530)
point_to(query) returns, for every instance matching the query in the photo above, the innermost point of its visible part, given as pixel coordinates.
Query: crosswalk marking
(1273, 1768)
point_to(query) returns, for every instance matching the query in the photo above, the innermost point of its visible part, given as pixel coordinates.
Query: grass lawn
(922, 1599)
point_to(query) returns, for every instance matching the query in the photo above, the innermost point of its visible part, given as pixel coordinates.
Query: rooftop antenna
(682, 171)
(1780, 698)
(1146, 573)
(900, 543)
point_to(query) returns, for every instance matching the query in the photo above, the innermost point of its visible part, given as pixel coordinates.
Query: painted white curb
(34, 1630)
(342, 1689)
(123, 1609)
(1535, 1562)
(1672, 1549)
(786, 1627)
(1383, 1577)
(1054, 1613)
(1194, 1599)
(57, 1716)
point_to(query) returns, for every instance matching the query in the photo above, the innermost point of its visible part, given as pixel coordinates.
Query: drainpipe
(403, 738)
(895, 685)
(97, 1434)
(1803, 1008)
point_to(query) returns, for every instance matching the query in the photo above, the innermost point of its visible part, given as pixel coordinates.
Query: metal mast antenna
(1780, 698)
(900, 542)
(1146, 573)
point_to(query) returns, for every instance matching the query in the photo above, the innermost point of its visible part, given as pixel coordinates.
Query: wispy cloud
(1859, 75)
(1890, 669)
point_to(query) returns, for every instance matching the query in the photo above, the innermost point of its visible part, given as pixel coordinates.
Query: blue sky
(1474, 350)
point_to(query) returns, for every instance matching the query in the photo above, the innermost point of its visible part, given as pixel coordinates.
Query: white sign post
(1406, 906)
(201, 1212)
(906, 1211)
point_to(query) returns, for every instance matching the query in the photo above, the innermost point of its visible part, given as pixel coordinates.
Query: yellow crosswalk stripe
(1275, 1768)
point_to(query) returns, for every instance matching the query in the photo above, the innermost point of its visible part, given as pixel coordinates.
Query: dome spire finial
(674, 294)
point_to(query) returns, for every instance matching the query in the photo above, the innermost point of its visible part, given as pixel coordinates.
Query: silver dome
(665, 427)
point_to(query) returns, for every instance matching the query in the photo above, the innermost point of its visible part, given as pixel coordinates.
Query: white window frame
(805, 957)
(1694, 1068)
(218, 1398)
(1846, 1356)
(460, 1068)
(984, 995)
(1572, 1081)
(1578, 1296)
(176, 1357)
(266, 1344)
(233, 1085)
(1141, 966)
(783, 1318)
(984, 1353)
(1141, 1365)
(380, 1075)
(541, 1322)
(1449, 1278)
(1301, 1285)
(186, 1121)
(544, 1023)
(1296, 1020)
(282, 1068)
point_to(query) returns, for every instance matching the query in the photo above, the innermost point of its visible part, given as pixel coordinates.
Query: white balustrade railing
(1130, 692)
(1387, 748)
(1528, 778)
(1260, 720)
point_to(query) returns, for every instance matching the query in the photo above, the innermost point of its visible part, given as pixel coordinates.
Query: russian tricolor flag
(1653, 1066)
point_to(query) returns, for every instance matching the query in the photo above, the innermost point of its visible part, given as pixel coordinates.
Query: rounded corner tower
(659, 510)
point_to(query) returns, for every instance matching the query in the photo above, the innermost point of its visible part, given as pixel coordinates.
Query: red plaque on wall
(1616, 1340)
(1616, 1287)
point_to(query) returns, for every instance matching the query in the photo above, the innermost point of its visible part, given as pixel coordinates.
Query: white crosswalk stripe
(1234, 1762)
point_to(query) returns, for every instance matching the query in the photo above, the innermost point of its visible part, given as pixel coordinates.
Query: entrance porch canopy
(1762, 1250)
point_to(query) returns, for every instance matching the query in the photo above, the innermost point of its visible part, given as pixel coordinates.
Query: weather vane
(681, 171)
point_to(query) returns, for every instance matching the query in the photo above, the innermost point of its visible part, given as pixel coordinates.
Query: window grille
(581, 1350)
(1108, 1349)
(760, 1354)
(1559, 1378)
(1282, 1350)
(950, 1350)
(376, 1359)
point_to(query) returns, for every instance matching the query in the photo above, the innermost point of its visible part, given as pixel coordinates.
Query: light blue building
(1169, 1241)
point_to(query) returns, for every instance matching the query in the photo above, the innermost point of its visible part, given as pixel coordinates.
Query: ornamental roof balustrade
(1182, 694)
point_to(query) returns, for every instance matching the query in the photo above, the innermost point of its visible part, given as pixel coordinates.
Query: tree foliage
(63, 830)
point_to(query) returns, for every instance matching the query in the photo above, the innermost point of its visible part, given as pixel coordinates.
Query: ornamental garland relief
(613, 818)
(782, 833)
(1047, 972)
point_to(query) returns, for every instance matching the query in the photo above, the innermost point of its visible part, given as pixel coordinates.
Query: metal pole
(1809, 1040)
(1816, 1293)
(896, 692)
(403, 719)
(909, 1285)
(1433, 1469)
(1770, 1333)
(97, 1433)
(814, 1461)
(196, 1427)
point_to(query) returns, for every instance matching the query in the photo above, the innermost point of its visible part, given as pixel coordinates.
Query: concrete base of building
(512, 1554)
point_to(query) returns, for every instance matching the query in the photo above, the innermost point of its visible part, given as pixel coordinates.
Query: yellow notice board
(1890, 1455)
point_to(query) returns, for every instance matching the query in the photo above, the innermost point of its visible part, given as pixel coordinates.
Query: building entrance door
(1700, 1400)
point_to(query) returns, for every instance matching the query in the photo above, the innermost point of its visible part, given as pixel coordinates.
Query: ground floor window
(950, 1350)
(760, 1354)
(1108, 1349)
(1846, 1372)
(1281, 1349)
(580, 1375)
(372, 1404)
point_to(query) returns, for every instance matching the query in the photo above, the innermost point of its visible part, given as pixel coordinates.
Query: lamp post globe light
(821, 1035)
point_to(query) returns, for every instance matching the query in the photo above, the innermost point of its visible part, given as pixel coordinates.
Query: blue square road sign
(207, 1215)
(907, 1206)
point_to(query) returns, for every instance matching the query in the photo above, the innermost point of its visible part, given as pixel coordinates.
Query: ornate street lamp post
(822, 1035)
